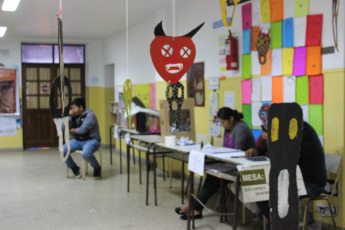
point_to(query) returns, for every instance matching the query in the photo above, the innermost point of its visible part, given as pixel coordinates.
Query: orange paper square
(277, 89)
(277, 10)
(266, 68)
(255, 34)
(314, 60)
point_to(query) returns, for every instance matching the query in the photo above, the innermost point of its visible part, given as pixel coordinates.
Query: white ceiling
(88, 19)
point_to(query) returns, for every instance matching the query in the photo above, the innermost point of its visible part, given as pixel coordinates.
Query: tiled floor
(35, 194)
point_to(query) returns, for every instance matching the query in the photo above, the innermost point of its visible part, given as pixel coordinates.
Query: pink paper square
(316, 89)
(246, 91)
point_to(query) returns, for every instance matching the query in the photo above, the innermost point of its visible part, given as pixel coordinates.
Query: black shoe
(179, 211)
(97, 173)
(185, 217)
(76, 171)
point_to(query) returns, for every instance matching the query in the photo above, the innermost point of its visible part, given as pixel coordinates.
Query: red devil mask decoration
(172, 56)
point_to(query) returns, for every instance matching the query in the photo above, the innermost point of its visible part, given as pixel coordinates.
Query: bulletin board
(292, 72)
(9, 93)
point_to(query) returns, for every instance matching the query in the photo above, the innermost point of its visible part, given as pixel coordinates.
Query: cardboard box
(186, 127)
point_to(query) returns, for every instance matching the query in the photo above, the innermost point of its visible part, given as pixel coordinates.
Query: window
(45, 53)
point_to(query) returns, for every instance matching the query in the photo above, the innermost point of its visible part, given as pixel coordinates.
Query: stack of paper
(212, 149)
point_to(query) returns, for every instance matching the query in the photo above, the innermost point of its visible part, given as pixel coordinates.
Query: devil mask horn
(160, 32)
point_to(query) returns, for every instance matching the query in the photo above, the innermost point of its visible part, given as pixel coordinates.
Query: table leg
(128, 163)
(120, 152)
(182, 186)
(190, 200)
(147, 176)
(154, 174)
(235, 211)
(140, 167)
(111, 144)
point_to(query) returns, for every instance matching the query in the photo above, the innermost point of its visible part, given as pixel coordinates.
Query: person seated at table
(311, 162)
(237, 135)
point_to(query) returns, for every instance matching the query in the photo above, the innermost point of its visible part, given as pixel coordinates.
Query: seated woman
(238, 136)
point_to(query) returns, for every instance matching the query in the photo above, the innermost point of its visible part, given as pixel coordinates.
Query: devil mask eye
(185, 52)
(167, 50)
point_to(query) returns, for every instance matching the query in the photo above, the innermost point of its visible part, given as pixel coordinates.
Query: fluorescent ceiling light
(2, 31)
(10, 5)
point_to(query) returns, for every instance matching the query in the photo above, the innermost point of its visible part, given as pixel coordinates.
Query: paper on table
(256, 67)
(247, 114)
(246, 66)
(287, 61)
(246, 16)
(302, 90)
(266, 88)
(246, 91)
(316, 89)
(255, 34)
(255, 113)
(301, 8)
(314, 60)
(299, 62)
(267, 67)
(127, 138)
(196, 162)
(116, 132)
(305, 109)
(256, 89)
(256, 16)
(314, 30)
(277, 89)
(289, 89)
(246, 37)
(288, 32)
(276, 35)
(277, 10)
(316, 118)
(265, 11)
(300, 28)
(276, 62)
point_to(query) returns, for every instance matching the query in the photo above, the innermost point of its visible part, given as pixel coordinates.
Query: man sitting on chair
(83, 125)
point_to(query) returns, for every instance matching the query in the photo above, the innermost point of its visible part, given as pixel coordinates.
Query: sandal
(178, 210)
(198, 216)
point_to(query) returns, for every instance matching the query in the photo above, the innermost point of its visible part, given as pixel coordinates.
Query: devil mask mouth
(174, 68)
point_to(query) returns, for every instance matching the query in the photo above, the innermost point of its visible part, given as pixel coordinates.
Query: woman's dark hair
(225, 114)
(79, 102)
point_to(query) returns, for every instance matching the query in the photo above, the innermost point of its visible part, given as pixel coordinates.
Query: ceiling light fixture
(10, 5)
(2, 31)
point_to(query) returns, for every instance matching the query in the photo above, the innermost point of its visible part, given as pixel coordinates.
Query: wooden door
(38, 126)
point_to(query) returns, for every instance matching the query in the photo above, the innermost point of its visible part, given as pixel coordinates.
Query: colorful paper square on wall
(316, 118)
(316, 89)
(247, 114)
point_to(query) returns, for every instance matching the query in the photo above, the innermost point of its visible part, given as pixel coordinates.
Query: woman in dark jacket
(237, 135)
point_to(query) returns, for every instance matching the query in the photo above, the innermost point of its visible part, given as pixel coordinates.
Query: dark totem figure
(285, 125)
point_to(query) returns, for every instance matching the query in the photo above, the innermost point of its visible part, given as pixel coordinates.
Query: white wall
(193, 13)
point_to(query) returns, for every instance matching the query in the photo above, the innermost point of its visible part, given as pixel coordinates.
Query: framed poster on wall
(9, 94)
(195, 84)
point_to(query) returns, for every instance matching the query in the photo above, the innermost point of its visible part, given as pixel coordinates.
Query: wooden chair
(84, 169)
(333, 166)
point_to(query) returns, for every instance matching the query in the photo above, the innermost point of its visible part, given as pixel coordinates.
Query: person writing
(84, 126)
(311, 162)
(237, 135)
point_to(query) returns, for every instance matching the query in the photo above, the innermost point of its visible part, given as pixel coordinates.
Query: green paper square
(246, 66)
(302, 90)
(276, 35)
(316, 118)
(247, 114)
